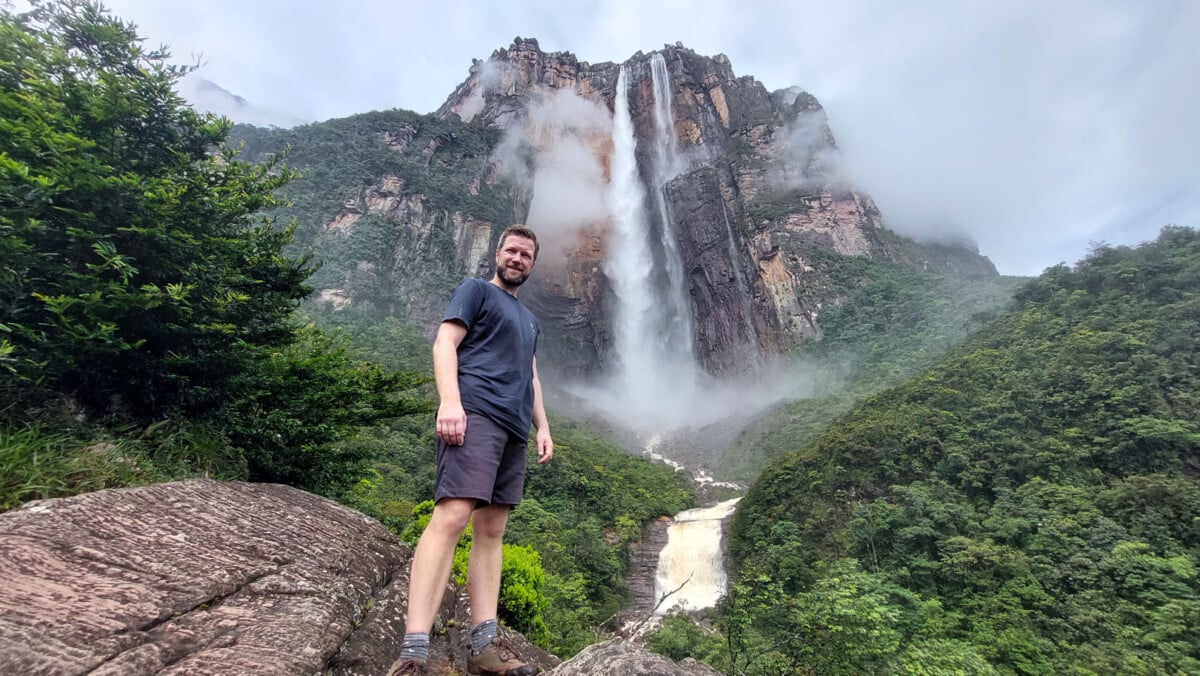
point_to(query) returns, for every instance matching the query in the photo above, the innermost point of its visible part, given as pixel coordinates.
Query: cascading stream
(693, 561)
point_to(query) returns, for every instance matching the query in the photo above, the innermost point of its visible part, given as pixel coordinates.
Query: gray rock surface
(643, 569)
(617, 657)
(208, 577)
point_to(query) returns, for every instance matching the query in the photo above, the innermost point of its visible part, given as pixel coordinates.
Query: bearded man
(489, 395)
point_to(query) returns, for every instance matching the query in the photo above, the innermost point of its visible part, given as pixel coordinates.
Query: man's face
(514, 260)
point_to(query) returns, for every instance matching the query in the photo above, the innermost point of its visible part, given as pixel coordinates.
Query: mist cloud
(489, 76)
(555, 156)
(215, 99)
(807, 154)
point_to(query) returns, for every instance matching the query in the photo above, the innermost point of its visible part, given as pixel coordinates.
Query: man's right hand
(452, 423)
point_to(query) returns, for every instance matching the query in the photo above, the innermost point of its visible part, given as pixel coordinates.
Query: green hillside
(895, 321)
(1030, 504)
(337, 160)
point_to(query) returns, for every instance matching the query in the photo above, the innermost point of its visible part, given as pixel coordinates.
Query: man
(487, 383)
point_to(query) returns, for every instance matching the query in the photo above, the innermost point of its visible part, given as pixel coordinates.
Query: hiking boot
(499, 658)
(403, 667)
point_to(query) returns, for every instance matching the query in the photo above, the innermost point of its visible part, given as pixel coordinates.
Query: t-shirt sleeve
(465, 304)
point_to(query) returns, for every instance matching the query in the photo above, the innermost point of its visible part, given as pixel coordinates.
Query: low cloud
(556, 156)
(211, 97)
(807, 154)
(490, 75)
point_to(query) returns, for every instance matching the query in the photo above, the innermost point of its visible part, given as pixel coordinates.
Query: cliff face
(743, 205)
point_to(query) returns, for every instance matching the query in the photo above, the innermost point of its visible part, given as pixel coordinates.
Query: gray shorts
(489, 466)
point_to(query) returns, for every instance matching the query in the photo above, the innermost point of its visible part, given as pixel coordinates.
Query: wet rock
(643, 569)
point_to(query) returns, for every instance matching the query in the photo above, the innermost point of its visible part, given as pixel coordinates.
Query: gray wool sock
(482, 634)
(415, 646)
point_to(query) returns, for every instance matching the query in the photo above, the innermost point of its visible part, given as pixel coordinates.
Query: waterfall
(668, 165)
(693, 558)
(652, 325)
(629, 260)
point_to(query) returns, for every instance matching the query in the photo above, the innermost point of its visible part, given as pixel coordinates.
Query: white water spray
(667, 165)
(652, 327)
(629, 261)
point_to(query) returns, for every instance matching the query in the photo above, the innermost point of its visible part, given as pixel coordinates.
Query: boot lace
(506, 650)
(408, 668)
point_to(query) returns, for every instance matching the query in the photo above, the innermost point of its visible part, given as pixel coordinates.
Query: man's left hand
(545, 446)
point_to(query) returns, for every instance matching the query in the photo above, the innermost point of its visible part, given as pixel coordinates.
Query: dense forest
(1030, 504)
(894, 322)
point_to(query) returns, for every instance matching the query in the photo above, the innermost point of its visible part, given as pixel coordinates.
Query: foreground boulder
(617, 657)
(208, 577)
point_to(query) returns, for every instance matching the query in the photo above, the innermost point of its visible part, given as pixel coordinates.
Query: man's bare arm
(545, 444)
(451, 419)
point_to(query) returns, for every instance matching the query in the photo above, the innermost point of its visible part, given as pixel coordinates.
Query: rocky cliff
(754, 200)
(745, 215)
(643, 570)
(207, 577)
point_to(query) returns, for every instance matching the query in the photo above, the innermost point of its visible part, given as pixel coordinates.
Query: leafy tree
(141, 286)
(679, 636)
(304, 402)
(134, 276)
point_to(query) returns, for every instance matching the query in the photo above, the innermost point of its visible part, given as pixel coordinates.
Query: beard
(513, 278)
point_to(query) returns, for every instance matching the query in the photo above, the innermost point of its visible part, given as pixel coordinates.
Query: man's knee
(451, 515)
(489, 522)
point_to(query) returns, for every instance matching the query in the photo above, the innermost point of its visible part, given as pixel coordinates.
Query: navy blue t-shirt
(495, 358)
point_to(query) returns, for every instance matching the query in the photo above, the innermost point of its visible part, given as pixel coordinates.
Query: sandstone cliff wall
(757, 192)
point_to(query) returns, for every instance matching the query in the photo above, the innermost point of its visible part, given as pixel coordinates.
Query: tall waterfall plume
(653, 324)
(667, 165)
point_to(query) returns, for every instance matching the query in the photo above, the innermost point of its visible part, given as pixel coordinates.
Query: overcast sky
(1036, 126)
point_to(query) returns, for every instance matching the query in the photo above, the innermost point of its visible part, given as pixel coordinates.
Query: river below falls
(691, 567)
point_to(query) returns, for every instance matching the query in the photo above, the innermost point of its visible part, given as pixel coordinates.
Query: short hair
(520, 231)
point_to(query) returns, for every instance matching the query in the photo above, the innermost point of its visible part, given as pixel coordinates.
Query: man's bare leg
(490, 653)
(483, 569)
(432, 560)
